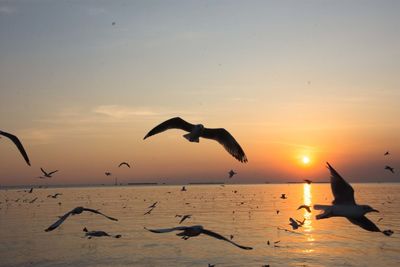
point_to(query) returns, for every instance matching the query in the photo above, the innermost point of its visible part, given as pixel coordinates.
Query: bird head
(368, 208)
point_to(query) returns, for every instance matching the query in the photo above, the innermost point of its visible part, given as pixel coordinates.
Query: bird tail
(190, 138)
(327, 211)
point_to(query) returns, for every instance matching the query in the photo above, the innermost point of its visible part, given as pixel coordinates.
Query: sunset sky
(288, 79)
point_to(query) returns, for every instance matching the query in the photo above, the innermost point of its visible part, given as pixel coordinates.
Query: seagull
(308, 181)
(389, 168)
(386, 153)
(220, 135)
(305, 207)
(183, 188)
(113, 24)
(91, 234)
(184, 217)
(152, 205)
(77, 210)
(19, 145)
(231, 173)
(48, 174)
(192, 231)
(294, 223)
(344, 204)
(107, 173)
(124, 163)
(55, 195)
(283, 196)
(149, 211)
(33, 200)
(30, 191)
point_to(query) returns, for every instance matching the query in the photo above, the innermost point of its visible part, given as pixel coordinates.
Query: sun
(305, 160)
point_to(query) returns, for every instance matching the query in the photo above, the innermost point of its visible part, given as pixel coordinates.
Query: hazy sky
(287, 78)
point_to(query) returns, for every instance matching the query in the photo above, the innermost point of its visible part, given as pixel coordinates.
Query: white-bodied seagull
(344, 204)
(220, 135)
(192, 231)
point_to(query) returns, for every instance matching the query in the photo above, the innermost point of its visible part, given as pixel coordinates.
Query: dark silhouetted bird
(220, 135)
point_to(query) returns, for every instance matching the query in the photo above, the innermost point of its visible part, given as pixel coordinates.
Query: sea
(250, 215)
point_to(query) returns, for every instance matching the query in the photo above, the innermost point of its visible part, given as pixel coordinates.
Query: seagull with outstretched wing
(18, 144)
(48, 174)
(220, 135)
(391, 169)
(344, 204)
(124, 163)
(192, 231)
(75, 211)
(306, 207)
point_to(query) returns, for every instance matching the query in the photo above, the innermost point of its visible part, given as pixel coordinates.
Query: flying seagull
(295, 223)
(389, 168)
(149, 211)
(77, 210)
(183, 217)
(55, 195)
(344, 204)
(124, 163)
(91, 234)
(152, 205)
(283, 196)
(107, 173)
(19, 145)
(231, 173)
(192, 231)
(48, 174)
(305, 207)
(220, 135)
(386, 153)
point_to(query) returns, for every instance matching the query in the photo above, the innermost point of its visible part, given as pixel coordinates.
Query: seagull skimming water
(192, 231)
(77, 210)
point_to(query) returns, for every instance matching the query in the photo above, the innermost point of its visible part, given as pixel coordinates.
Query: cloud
(122, 112)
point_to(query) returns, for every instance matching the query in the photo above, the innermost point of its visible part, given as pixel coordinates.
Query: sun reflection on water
(307, 201)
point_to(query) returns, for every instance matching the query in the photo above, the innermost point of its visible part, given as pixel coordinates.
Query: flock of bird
(343, 205)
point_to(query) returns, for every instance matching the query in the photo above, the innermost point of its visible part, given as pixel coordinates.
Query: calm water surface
(249, 215)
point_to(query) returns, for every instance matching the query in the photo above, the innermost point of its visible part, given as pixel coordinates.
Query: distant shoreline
(152, 184)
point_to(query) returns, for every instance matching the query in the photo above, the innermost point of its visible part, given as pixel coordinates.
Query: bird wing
(167, 230)
(53, 172)
(292, 221)
(58, 222)
(365, 223)
(44, 172)
(223, 137)
(174, 123)
(341, 190)
(124, 163)
(19, 145)
(98, 212)
(218, 236)
(184, 218)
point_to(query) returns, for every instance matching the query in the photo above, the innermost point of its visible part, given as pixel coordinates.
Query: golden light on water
(307, 201)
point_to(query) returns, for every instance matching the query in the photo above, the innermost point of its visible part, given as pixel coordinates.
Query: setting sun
(306, 160)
